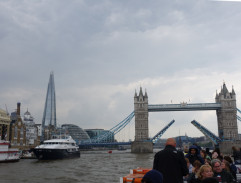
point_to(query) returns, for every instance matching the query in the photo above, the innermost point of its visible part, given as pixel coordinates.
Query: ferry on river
(57, 149)
(7, 154)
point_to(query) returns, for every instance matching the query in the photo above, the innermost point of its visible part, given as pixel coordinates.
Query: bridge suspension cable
(239, 118)
(160, 133)
(117, 128)
(206, 132)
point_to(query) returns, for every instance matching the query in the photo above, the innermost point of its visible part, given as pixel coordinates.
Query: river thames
(91, 167)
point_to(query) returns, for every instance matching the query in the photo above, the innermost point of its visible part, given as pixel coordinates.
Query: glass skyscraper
(49, 116)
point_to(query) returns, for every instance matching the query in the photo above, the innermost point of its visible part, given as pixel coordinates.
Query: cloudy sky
(101, 51)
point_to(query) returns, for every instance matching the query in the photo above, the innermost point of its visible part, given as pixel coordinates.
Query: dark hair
(153, 176)
(210, 180)
(146, 180)
(204, 152)
(227, 158)
(197, 164)
(217, 150)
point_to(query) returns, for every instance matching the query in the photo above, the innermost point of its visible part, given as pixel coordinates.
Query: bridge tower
(227, 119)
(141, 143)
(141, 116)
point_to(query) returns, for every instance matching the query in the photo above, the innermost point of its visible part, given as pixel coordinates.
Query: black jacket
(172, 164)
(225, 176)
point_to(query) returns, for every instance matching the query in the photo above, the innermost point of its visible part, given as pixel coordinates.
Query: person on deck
(220, 173)
(194, 155)
(153, 176)
(233, 168)
(204, 172)
(171, 163)
(216, 154)
(196, 166)
(236, 155)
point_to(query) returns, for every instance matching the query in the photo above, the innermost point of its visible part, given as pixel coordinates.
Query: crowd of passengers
(203, 164)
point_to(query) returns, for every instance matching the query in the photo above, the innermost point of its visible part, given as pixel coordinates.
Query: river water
(91, 167)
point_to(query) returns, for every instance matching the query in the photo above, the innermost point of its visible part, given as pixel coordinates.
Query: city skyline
(102, 51)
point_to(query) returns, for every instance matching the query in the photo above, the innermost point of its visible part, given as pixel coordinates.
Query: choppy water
(91, 167)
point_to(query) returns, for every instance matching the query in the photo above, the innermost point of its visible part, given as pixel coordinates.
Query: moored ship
(7, 154)
(57, 149)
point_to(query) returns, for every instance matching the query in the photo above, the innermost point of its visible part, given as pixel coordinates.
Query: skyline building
(77, 133)
(49, 115)
(32, 135)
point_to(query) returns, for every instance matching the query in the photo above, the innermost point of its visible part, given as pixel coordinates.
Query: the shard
(49, 115)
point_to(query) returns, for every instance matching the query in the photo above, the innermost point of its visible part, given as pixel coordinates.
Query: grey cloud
(94, 47)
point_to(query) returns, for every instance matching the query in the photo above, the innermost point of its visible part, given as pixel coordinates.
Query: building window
(21, 133)
(15, 132)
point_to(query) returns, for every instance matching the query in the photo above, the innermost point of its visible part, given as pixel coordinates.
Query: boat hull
(51, 154)
(9, 160)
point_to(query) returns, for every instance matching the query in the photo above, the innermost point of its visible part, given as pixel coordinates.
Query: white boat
(57, 149)
(8, 154)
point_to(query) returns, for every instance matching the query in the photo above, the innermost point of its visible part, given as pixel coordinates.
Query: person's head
(228, 159)
(207, 150)
(234, 148)
(197, 164)
(186, 150)
(193, 150)
(225, 165)
(153, 176)
(214, 155)
(171, 142)
(217, 150)
(216, 165)
(205, 171)
(203, 154)
(207, 161)
(210, 180)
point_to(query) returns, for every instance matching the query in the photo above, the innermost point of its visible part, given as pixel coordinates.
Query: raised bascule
(224, 105)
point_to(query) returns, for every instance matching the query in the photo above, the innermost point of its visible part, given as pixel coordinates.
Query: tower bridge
(226, 111)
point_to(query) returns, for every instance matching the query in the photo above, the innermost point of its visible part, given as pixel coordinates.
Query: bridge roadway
(104, 144)
(184, 107)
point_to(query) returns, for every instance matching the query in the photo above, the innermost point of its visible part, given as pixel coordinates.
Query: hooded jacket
(194, 157)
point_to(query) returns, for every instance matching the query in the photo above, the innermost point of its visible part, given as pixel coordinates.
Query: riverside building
(17, 130)
(95, 133)
(77, 133)
(4, 125)
(32, 130)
